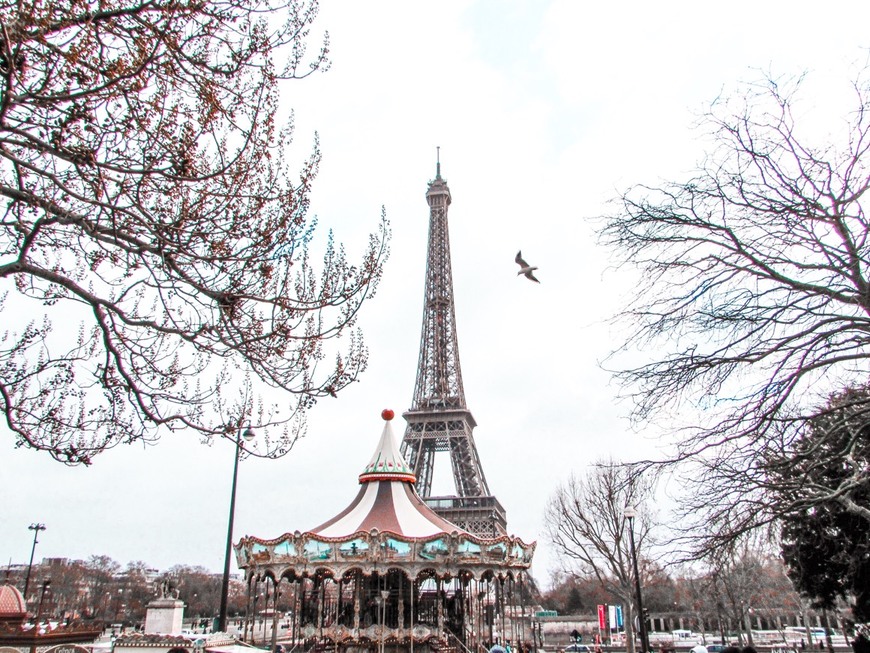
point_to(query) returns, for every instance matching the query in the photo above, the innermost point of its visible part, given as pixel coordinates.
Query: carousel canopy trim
(465, 549)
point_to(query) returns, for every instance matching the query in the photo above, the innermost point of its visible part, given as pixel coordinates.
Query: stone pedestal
(164, 615)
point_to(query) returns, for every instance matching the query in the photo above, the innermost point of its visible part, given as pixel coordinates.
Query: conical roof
(387, 499)
(12, 604)
(387, 463)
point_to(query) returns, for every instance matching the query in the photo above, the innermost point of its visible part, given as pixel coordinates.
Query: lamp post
(248, 435)
(630, 514)
(35, 528)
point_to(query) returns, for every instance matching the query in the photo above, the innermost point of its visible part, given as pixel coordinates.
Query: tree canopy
(824, 543)
(154, 245)
(755, 299)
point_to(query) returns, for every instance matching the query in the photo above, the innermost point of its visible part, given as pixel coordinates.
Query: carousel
(389, 573)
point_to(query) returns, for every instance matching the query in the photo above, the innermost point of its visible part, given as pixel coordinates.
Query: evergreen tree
(825, 544)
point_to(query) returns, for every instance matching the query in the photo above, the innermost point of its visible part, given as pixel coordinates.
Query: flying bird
(525, 268)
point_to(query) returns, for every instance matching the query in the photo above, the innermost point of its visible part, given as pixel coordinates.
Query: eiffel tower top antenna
(439, 420)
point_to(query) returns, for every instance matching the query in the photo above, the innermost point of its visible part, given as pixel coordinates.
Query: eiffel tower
(439, 420)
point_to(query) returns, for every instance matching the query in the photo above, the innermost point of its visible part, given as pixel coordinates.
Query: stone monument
(165, 613)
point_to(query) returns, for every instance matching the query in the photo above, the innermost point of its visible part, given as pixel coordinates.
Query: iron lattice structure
(439, 420)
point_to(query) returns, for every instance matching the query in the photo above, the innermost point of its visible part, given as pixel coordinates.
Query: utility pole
(35, 528)
(630, 514)
(248, 435)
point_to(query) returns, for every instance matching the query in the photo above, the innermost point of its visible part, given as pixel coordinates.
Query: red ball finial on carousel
(387, 414)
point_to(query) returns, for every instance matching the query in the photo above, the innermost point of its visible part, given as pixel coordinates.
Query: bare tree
(585, 521)
(150, 211)
(755, 301)
(743, 585)
(68, 578)
(100, 572)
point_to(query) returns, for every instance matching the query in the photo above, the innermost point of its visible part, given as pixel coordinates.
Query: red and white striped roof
(387, 499)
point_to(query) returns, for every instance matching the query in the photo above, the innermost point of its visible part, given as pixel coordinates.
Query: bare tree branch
(146, 197)
(586, 523)
(756, 301)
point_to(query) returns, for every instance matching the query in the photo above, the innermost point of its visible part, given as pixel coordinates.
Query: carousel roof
(387, 499)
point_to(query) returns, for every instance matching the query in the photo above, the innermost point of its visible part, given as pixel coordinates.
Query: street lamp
(35, 528)
(248, 435)
(630, 514)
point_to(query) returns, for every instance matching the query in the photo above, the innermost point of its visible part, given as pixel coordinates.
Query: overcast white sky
(543, 111)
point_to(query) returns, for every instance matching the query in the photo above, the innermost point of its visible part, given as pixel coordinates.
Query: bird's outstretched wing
(525, 269)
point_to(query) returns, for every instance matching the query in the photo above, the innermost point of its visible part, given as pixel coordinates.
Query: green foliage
(825, 544)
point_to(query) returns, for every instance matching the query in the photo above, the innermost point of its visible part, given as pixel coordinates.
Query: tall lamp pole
(248, 435)
(35, 528)
(630, 514)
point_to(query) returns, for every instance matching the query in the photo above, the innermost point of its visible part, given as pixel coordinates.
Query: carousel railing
(457, 644)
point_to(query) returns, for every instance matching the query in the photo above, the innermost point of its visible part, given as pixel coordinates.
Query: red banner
(602, 617)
